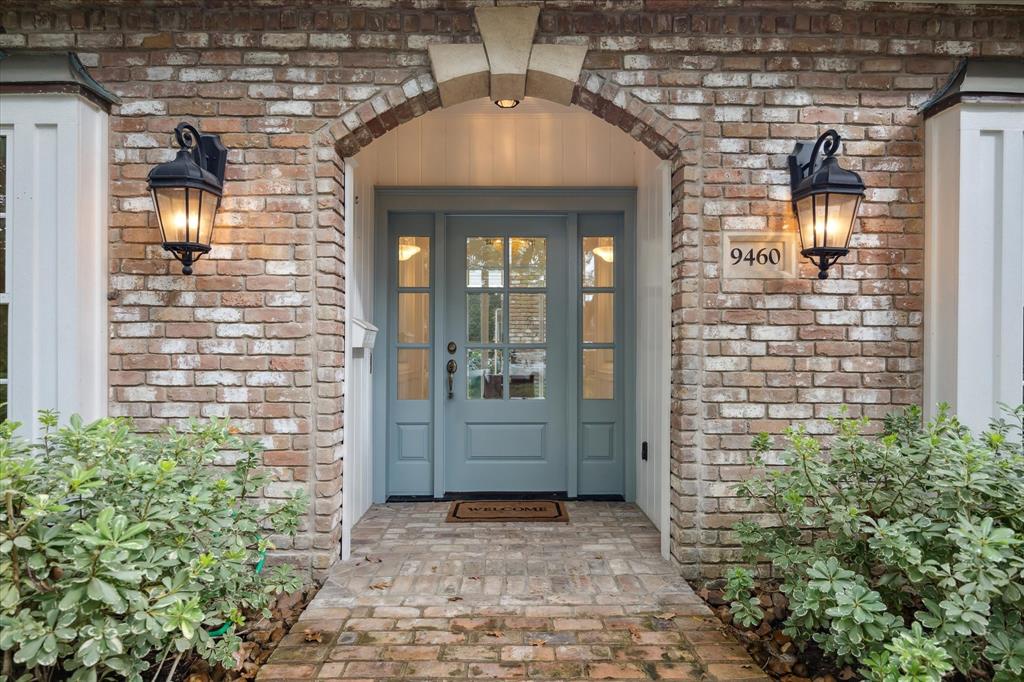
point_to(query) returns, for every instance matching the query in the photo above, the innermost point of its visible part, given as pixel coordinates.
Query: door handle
(452, 367)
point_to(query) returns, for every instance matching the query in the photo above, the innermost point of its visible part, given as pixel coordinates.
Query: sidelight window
(413, 362)
(598, 318)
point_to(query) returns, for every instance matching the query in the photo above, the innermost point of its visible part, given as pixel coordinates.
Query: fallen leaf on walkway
(537, 642)
(668, 615)
(454, 598)
(634, 632)
(380, 586)
(372, 560)
(311, 635)
(495, 633)
(474, 577)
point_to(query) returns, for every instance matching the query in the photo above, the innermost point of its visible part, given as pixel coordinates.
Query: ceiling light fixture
(605, 253)
(407, 251)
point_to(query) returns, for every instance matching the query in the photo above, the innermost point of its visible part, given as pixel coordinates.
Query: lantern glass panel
(186, 214)
(826, 219)
(207, 212)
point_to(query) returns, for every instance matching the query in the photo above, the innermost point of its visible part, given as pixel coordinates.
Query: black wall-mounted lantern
(186, 194)
(825, 200)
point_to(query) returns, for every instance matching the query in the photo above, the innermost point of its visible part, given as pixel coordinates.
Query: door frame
(441, 200)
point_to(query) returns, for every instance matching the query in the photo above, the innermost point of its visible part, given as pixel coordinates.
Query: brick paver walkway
(428, 600)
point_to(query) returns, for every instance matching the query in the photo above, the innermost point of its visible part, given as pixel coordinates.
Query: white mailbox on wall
(364, 334)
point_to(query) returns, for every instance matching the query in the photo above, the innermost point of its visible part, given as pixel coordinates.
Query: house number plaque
(758, 255)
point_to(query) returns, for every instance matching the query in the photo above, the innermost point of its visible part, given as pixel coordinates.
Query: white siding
(359, 235)
(653, 334)
(57, 225)
(974, 290)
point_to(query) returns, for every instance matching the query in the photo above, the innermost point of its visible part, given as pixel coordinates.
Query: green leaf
(9, 595)
(71, 598)
(107, 593)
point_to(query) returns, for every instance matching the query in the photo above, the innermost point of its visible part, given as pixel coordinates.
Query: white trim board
(974, 259)
(57, 222)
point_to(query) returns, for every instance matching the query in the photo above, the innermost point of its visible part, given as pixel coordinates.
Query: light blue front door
(505, 354)
(532, 294)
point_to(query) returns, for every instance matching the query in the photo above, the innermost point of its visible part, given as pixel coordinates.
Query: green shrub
(903, 552)
(119, 554)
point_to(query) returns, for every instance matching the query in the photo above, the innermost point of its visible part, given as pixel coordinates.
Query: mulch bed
(778, 655)
(260, 639)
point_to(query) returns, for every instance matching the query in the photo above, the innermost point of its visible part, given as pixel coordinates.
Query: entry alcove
(536, 146)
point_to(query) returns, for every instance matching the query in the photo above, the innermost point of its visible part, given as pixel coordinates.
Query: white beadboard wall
(537, 144)
(476, 144)
(357, 492)
(653, 299)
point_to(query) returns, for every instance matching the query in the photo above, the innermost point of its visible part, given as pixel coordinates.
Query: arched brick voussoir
(386, 110)
(640, 120)
(390, 107)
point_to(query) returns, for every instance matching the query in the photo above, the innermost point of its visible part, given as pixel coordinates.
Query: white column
(974, 249)
(57, 232)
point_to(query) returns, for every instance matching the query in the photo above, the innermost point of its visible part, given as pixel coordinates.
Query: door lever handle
(452, 367)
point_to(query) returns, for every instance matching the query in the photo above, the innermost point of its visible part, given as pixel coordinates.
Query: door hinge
(643, 451)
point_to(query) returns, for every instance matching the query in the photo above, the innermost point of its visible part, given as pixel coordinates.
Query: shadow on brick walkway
(426, 600)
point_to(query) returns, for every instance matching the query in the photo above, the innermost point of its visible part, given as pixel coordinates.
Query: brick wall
(258, 332)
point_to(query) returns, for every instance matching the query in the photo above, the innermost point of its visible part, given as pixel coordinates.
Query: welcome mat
(482, 511)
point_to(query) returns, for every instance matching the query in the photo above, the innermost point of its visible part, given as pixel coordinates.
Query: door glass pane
(527, 318)
(526, 371)
(413, 318)
(528, 261)
(413, 373)
(598, 318)
(598, 373)
(414, 261)
(484, 378)
(484, 318)
(485, 263)
(598, 261)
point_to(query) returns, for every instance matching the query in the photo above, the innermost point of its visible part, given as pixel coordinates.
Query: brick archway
(389, 108)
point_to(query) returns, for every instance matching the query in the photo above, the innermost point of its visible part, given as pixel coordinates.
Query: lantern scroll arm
(207, 150)
(804, 158)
